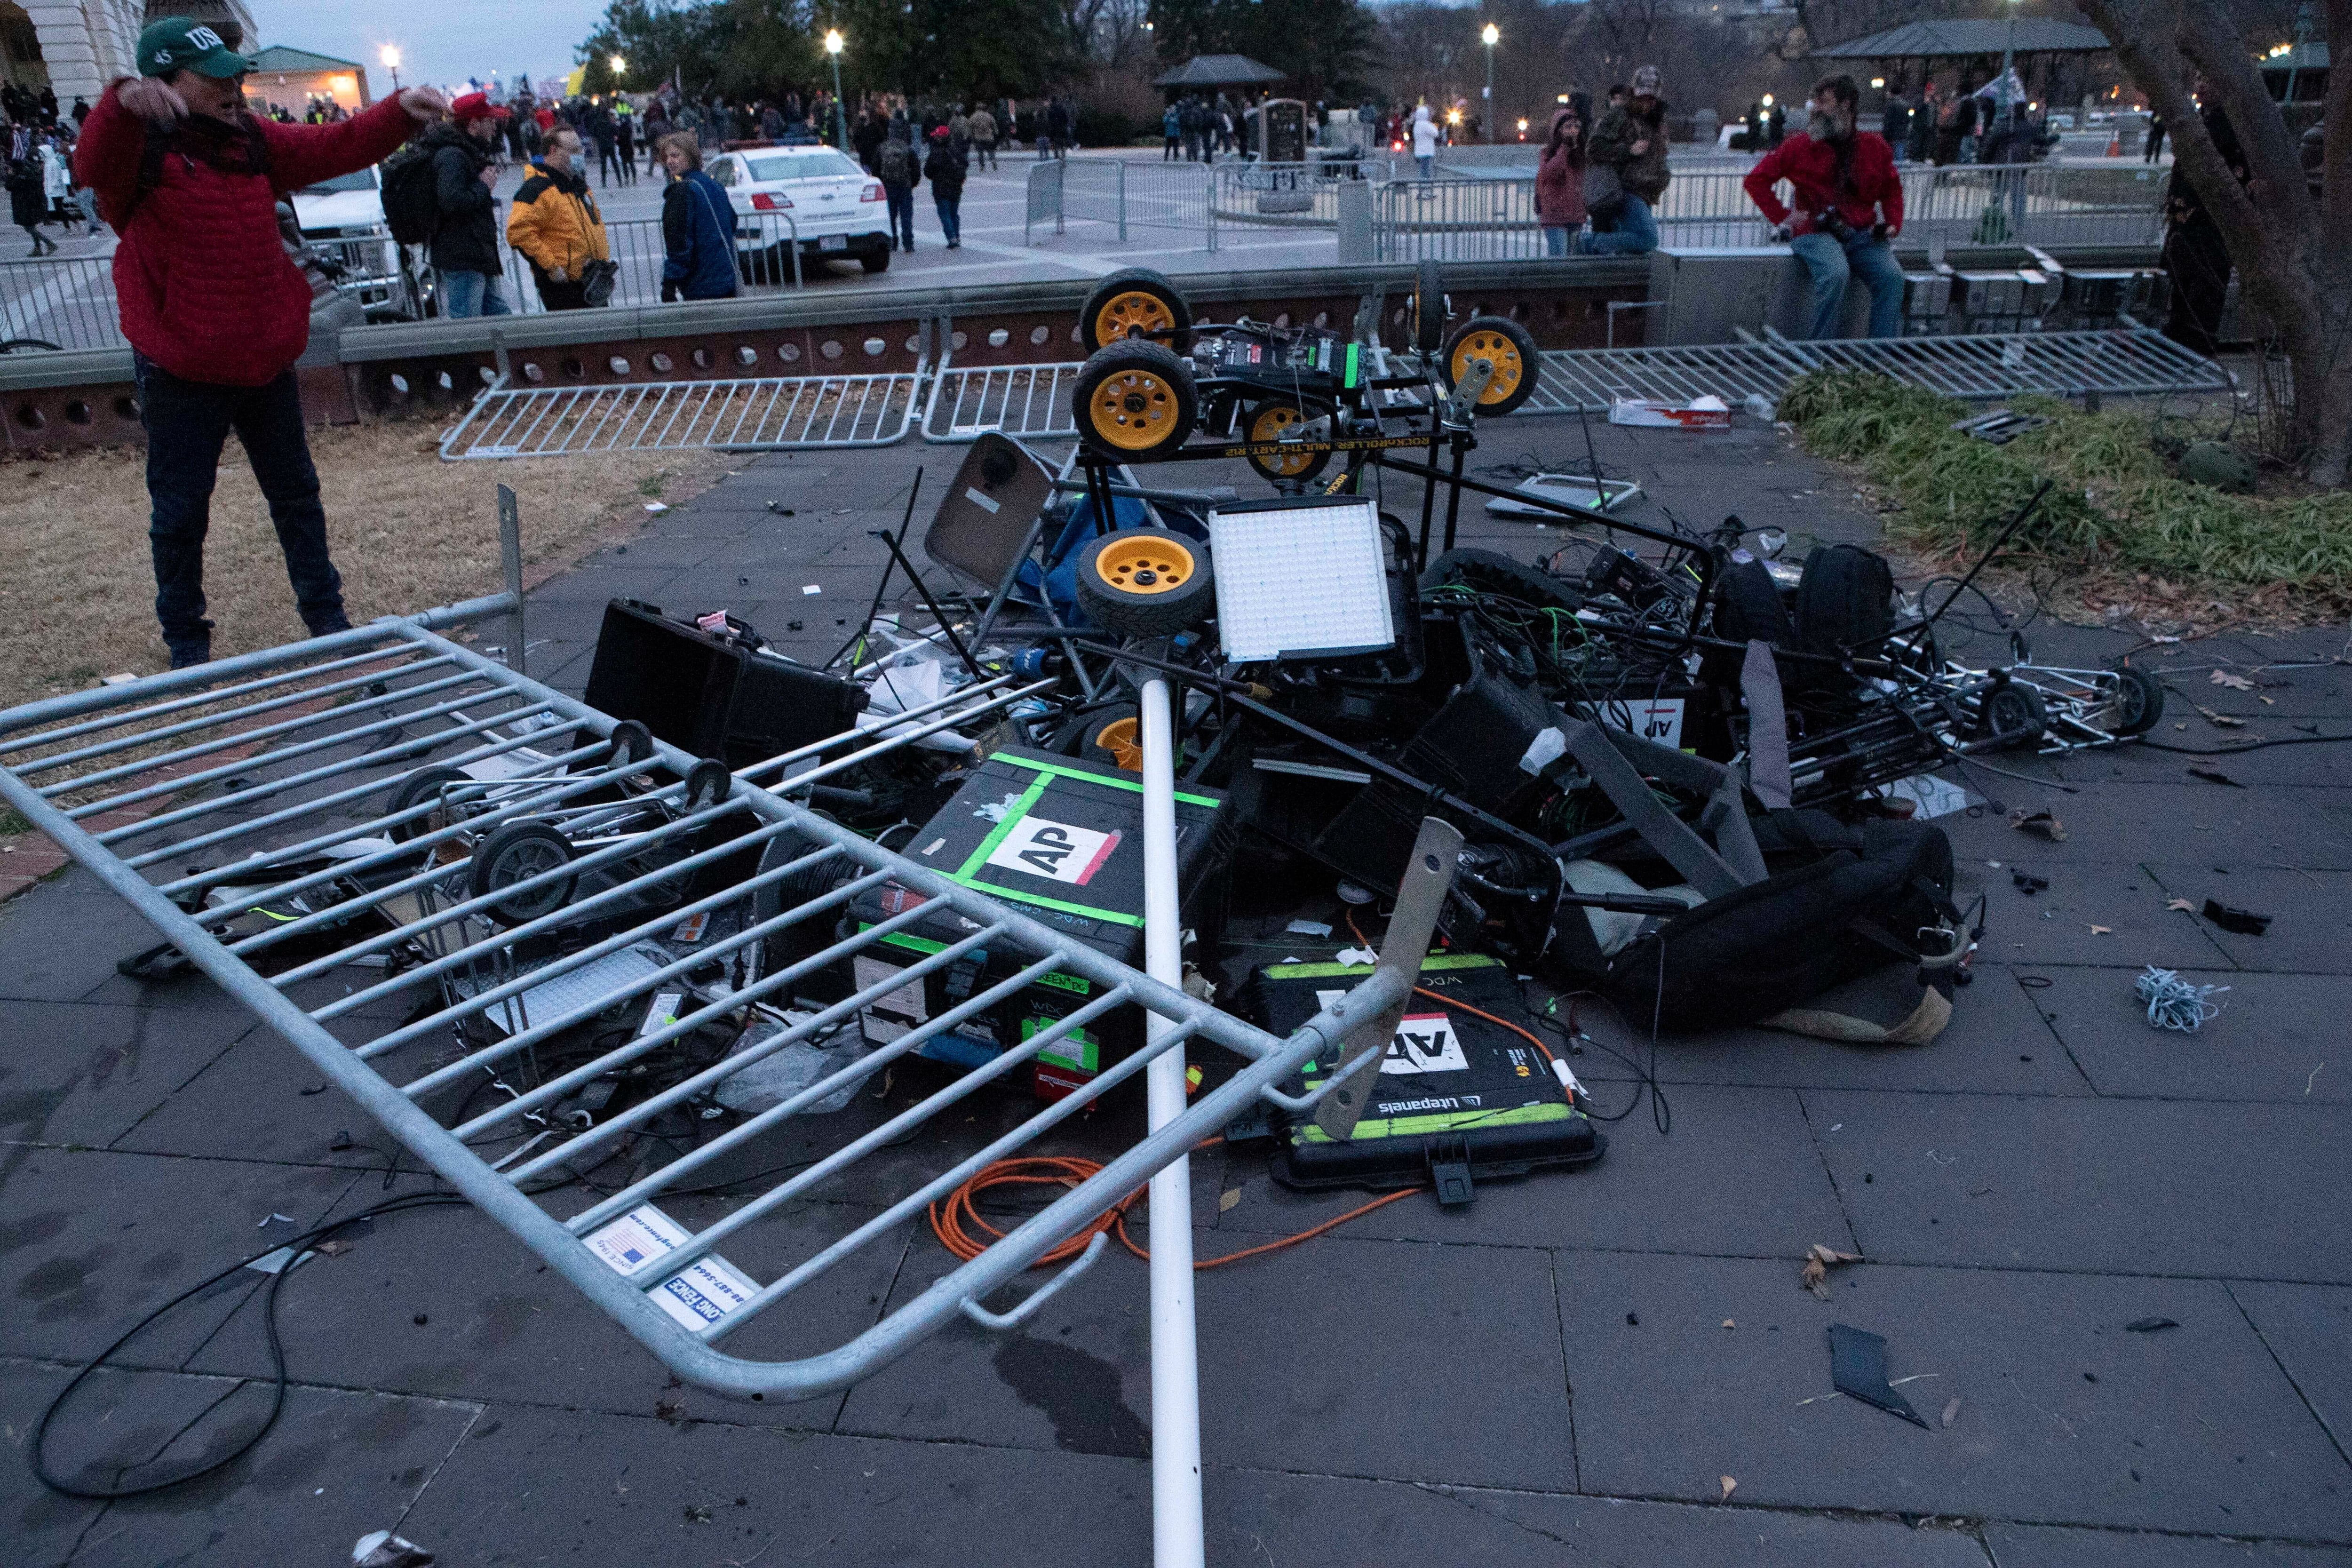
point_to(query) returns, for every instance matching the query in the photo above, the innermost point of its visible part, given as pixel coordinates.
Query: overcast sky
(440, 41)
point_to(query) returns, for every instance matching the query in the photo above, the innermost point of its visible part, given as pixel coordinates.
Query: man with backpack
(896, 165)
(463, 225)
(216, 312)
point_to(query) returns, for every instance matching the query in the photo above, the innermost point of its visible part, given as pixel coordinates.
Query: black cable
(1644, 1078)
(2249, 746)
(277, 1354)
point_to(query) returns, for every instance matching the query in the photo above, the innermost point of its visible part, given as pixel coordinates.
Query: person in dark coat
(464, 246)
(2195, 254)
(697, 226)
(28, 202)
(899, 166)
(868, 140)
(945, 169)
(1894, 124)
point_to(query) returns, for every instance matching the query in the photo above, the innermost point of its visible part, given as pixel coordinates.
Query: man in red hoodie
(216, 312)
(1849, 205)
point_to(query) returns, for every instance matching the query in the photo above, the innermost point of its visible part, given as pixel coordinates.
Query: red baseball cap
(476, 106)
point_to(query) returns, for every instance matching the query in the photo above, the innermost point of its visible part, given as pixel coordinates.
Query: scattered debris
(2215, 776)
(2219, 721)
(383, 1549)
(2234, 682)
(1728, 1486)
(1858, 1369)
(2148, 1325)
(2181, 904)
(2041, 824)
(670, 1404)
(278, 1218)
(1819, 1260)
(2174, 1004)
(2102, 930)
(2028, 885)
(1951, 1411)
(697, 1513)
(2243, 922)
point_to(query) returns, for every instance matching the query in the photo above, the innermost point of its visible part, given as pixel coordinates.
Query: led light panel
(1299, 578)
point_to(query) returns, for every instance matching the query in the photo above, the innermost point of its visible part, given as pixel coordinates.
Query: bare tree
(2292, 250)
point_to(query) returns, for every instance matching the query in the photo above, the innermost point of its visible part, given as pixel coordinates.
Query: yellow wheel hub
(1124, 740)
(1133, 314)
(1502, 351)
(1134, 410)
(1140, 562)
(1267, 425)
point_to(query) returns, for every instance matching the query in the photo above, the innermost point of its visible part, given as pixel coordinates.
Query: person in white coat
(1424, 139)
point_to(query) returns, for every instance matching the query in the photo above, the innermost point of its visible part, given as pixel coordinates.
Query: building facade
(75, 47)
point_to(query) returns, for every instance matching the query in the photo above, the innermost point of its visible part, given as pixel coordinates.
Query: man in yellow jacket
(554, 223)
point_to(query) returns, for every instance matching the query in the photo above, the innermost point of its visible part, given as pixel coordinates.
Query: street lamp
(840, 115)
(619, 64)
(1490, 36)
(390, 56)
(2007, 58)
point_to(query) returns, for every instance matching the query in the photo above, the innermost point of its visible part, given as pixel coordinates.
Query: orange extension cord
(955, 1217)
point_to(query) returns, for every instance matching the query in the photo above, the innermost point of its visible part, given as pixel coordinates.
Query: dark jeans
(902, 213)
(187, 424)
(950, 216)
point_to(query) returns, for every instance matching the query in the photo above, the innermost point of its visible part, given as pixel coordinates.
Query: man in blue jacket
(697, 226)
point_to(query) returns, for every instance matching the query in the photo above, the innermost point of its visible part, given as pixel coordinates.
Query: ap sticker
(1425, 1042)
(1057, 851)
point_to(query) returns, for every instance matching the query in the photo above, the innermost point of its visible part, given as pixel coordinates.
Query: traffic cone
(2115, 143)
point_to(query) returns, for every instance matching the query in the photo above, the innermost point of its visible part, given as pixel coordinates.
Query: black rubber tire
(514, 852)
(707, 783)
(416, 790)
(2143, 705)
(1491, 572)
(1165, 418)
(1104, 736)
(1135, 280)
(28, 346)
(1428, 319)
(793, 942)
(1162, 612)
(631, 742)
(1494, 404)
(874, 260)
(1747, 607)
(1313, 463)
(2016, 714)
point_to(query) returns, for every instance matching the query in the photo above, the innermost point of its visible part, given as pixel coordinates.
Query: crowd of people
(38, 170)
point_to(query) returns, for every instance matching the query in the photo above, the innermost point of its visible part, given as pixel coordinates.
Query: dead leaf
(1952, 1410)
(2041, 824)
(1232, 1196)
(332, 1249)
(2234, 682)
(1730, 1324)
(2100, 930)
(1730, 1487)
(2219, 721)
(1815, 1276)
(2265, 702)
(2180, 904)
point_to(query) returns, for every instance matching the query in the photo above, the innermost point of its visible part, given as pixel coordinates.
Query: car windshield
(360, 180)
(816, 163)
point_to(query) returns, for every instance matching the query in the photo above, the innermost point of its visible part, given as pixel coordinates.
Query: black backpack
(895, 164)
(411, 202)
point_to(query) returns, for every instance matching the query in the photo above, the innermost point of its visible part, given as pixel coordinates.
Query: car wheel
(874, 260)
(1135, 400)
(1144, 583)
(1512, 349)
(1135, 304)
(1266, 422)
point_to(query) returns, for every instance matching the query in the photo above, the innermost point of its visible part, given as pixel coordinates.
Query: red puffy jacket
(202, 281)
(1811, 167)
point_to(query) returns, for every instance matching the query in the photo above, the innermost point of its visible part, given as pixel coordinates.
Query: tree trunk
(2293, 254)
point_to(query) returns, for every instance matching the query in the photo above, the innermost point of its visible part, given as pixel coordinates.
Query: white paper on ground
(704, 1292)
(1936, 797)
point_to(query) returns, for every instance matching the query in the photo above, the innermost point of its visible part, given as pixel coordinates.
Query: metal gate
(762, 414)
(326, 837)
(1026, 402)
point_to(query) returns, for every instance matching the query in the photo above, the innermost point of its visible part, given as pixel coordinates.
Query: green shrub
(2115, 502)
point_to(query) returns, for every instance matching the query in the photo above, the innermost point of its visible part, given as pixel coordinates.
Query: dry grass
(408, 531)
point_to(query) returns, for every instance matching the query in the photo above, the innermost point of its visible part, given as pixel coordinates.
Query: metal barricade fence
(65, 304)
(766, 257)
(1455, 220)
(1287, 195)
(1123, 193)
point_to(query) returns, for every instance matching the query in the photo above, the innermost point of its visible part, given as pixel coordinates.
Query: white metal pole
(1176, 1529)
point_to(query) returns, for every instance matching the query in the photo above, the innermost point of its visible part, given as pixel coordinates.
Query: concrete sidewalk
(1614, 1366)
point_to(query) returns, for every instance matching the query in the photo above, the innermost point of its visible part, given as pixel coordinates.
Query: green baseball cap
(183, 43)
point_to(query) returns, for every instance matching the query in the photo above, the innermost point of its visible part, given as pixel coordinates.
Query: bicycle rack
(291, 752)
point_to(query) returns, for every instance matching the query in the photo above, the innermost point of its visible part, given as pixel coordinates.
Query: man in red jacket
(216, 312)
(1848, 205)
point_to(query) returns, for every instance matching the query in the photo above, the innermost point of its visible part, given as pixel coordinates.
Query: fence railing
(1495, 219)
(1294, 196)
(68, 303)
(766, 258)
(1123, 193)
